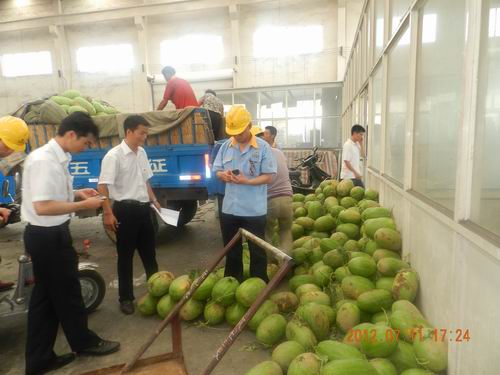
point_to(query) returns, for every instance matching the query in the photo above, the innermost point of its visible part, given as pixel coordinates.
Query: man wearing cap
(246, 164)
(13, 137)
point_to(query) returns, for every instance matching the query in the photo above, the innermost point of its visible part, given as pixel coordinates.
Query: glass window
(26, 64)
(329, 101)
(250, 101)
(375, 133)
(398, 9)
(438, 99)
(192, 49)
(330, 132)
(397, 100)
(301, 103)
(272, 104)
(113, 58)
(379, 27)
(301, 133)
(282, 41)
(486, 187)
(227, 99)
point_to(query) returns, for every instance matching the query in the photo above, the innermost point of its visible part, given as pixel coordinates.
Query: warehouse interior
(418, 75)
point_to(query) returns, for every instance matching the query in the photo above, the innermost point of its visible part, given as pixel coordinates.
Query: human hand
(156, 204)
(110, 222)
(225, 176)
(86, 193)
(239, 179)
(4, 214)
(92, 203)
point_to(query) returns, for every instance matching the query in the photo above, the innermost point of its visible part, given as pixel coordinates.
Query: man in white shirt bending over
(352, 152)
(125, 175)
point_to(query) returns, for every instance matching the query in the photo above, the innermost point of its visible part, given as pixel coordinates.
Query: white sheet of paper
(170, 217)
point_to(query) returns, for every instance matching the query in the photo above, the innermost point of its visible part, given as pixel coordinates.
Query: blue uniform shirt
(256, 159)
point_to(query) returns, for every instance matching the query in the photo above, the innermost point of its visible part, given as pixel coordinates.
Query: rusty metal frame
(286, 264)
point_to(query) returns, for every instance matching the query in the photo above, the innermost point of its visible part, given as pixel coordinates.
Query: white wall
(458, 279)
(15, 91)
(320, 67)
(131, 92)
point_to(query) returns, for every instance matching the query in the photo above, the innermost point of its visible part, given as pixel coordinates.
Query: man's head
(168, 72)
(357, 133)
(270, 134)
(136, 130)
(14, 134)
(239, 123)
(77, 131)
(210, 91)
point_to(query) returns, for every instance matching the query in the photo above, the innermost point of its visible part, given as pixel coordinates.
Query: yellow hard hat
(255, 130)
(237, 120)
(14, 133)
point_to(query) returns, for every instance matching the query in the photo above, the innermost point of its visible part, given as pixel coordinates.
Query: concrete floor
(179, 251)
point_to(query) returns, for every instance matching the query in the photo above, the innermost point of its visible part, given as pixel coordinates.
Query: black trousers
(56, 297)
(357, 182)
(135, 231)
(258, 259)
(216, 120)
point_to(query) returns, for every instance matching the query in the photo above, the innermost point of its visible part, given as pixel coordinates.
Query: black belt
(133, 202)
(54, 227)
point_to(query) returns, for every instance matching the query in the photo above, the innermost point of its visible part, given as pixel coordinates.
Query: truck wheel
(187, 210)
(93, 289)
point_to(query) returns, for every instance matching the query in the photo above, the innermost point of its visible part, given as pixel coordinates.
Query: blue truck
(181, 167)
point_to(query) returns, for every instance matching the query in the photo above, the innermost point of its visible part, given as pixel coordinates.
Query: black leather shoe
(127, 307)
(61, 361)
(104, 347)
(58, 362)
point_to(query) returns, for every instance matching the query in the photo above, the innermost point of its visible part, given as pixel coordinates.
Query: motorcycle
(315, 174)
(16, 302)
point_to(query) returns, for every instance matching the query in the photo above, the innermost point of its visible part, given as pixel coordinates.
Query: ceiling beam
(144, 10)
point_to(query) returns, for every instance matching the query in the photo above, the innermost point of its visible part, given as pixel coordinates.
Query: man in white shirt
(125, 175)
(48, 202)
(352, 152)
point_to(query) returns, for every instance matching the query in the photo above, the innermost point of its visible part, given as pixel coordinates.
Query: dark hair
(210, 91)
(79, 122)
(272, 130)
(168, 70)
(357, 129)
(132, 122)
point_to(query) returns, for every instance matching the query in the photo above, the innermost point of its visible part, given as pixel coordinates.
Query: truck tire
(187, 210)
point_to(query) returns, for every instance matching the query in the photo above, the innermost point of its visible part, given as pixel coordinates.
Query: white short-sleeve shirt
(351, 152)
(46, 177)
(126, 173)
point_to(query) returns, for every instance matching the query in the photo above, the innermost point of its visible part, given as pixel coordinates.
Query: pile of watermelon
(347, 309)
(354, 294)
(54, 109)
(217, 300)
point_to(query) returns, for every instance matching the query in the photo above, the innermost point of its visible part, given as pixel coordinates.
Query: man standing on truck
(279, 196)
(125, 175)
(48, 202)
(13, 137)
(215, 108)
(352, 152)
(246, 164)
(178, 90)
